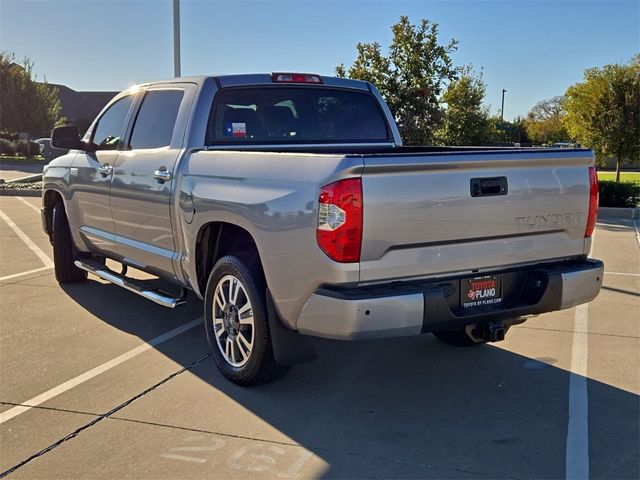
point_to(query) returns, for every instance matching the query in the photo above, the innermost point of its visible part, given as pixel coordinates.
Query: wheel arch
(50, 198)
(217, 239)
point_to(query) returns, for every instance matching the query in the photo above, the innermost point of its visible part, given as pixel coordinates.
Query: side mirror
(67, 137)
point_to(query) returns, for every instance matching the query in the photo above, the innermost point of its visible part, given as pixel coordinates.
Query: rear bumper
(419, 307)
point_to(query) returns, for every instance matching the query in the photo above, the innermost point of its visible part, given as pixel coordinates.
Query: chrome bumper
(353, 315)
(581, 286)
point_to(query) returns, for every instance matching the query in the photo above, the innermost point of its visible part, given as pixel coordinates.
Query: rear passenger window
(156, 119)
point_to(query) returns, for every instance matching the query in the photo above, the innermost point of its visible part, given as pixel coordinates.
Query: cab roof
(250, 79)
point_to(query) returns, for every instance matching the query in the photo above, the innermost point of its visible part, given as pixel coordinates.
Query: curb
(14, 192)
(36, 177)
(627, 213)
(4, 161)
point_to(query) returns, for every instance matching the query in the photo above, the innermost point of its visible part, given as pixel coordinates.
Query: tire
(63, 249)
(457, 338)
(238, 334)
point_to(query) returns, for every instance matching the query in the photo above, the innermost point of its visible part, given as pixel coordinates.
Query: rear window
(281, 115)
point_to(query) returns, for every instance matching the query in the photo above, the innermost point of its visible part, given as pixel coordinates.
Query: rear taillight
(295, 78)
(593, 202)
(339, 231)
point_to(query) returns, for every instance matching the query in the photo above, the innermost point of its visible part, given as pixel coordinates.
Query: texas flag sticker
(234, 129)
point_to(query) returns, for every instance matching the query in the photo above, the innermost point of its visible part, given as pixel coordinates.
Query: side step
(137, 287)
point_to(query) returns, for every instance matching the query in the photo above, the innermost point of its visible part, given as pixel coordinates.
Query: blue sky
(533, 49)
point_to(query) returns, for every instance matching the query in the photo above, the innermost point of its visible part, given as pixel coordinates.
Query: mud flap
(289, 346)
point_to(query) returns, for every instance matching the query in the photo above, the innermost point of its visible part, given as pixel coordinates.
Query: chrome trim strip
(97, 233)
(118, 239)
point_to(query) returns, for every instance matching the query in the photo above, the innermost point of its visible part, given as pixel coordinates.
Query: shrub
(7, 147)
(622, 194)
(21, 148)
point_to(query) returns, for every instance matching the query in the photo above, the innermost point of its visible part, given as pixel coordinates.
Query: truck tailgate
(422, 216)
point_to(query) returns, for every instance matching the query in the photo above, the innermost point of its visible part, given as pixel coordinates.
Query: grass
(624, 176)
(21, 186)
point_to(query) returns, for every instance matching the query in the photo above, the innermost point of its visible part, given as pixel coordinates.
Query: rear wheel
(237, 325)
(63, 249)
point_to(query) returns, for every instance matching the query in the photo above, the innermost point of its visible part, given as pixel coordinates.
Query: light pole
(502, 109)
(176, 38)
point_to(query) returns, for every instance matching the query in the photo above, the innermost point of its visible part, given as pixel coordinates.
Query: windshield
(279, 115)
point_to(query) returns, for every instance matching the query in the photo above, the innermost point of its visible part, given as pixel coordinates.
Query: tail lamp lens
(593, 202)
(339, 231)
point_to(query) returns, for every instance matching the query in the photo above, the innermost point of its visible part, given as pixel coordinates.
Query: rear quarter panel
(273, 196)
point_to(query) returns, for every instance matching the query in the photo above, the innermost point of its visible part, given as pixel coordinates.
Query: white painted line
(35, 270)
(635, 226)
(30, 205)
(32, 246)
(16, 275)
(623, 273)
(184, 458)
(69, 384)
(577, 453)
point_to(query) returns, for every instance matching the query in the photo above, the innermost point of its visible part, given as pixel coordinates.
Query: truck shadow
(399, 408)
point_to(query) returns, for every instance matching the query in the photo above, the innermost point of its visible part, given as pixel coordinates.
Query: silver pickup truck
(287, 203)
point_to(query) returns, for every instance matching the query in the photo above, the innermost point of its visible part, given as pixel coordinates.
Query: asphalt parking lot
(14, 170)
(98, 383)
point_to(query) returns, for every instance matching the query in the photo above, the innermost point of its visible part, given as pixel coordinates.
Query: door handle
(105, 170)
(162, 175)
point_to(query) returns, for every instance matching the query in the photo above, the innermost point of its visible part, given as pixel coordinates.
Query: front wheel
(237, 325)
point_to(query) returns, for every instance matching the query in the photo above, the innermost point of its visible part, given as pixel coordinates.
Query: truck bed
(421, 219)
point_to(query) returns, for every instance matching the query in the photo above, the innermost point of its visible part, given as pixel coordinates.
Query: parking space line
(16, 275)
(577, 454)
(623, 273)
(31, 206)
(577, 451)
(27, 241)
(69, 384)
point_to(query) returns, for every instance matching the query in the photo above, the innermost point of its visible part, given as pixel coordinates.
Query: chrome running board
(135, 286)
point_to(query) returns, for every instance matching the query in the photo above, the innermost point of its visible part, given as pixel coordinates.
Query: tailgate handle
(486, 187)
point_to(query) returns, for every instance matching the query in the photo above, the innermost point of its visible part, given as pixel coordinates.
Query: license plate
(481, 291)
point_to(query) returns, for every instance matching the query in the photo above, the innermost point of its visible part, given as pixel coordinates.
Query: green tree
(504, 132)
(603, 111)
(544, 122)
(25, 105)
(466, 121)
(411, 77)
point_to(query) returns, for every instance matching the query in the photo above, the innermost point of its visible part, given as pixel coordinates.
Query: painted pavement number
(253, 457)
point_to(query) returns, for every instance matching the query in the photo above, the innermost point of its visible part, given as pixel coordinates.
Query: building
(78, 108)
(81, 108)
